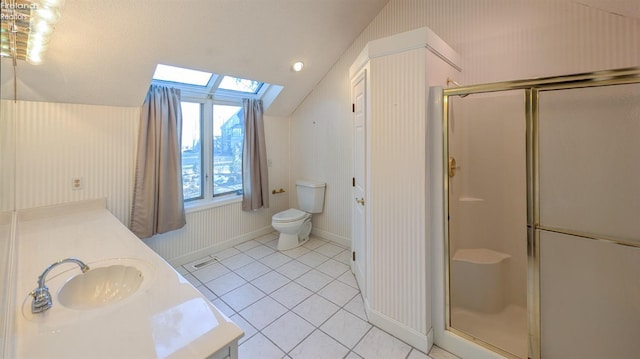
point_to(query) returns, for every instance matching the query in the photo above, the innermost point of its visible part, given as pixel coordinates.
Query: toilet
(294, 224)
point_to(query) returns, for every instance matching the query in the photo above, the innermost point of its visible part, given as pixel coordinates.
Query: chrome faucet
(41, 296)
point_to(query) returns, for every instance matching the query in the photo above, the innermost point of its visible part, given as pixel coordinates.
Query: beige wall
(58, 142)
(498, 40)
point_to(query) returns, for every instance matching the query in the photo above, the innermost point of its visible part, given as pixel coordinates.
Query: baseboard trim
(346, 242)
(421, 341)
(187, 258)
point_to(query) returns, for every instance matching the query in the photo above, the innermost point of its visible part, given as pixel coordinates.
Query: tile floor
(300, 303)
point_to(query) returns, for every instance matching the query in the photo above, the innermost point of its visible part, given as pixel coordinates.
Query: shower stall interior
(542, 215)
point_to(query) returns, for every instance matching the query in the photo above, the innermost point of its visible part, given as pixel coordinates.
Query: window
(228, 139)
(181, 75)
(212, 129)
(240, 85)
(191, 150)
(212, 141)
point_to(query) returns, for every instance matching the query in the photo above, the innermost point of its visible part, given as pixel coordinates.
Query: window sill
(203, 204)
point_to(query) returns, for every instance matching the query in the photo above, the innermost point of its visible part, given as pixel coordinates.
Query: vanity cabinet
(165, 317)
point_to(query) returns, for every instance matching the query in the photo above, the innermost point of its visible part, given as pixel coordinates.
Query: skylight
(201, 84)
(240, 85)
(181, 75)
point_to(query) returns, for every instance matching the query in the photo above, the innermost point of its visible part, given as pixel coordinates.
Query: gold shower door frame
(532, 88)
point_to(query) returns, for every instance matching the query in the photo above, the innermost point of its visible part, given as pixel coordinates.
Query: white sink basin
(100, 287)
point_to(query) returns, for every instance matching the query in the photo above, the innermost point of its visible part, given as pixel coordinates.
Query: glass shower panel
(589, 160)
(487, 220)
(589, 218)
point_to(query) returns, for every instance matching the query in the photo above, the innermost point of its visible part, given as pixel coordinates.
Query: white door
(359, 235)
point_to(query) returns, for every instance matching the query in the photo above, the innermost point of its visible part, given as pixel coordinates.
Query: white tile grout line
(214, 259)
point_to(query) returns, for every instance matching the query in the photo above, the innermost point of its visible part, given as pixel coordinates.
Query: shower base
(506, 330)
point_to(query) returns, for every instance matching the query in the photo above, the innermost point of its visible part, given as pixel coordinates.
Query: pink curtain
(157, 197)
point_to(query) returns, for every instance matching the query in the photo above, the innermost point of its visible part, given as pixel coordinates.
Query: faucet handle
(41, 300)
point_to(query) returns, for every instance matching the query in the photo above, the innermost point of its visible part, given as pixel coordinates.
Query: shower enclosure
(542, 215)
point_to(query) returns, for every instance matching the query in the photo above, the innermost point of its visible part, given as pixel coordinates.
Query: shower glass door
(488, 220)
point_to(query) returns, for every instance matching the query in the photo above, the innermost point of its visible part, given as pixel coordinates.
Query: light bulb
(297, 67)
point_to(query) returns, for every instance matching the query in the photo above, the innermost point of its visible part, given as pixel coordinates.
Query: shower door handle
(452, 167)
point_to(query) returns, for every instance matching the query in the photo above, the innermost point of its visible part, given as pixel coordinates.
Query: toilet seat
(289, 215)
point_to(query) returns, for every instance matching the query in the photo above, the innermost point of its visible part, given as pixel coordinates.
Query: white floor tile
(333, 268)
(237, 261)
(270, 282)
(245, 246)
(227, 253)
(182, 270)
(223, 285)
(416, 354)
(353, 355)
(296, 252)
(273, 244)
(263, 312)
(193, 280)
(258, 252)
(344, 257)
(319, 345)
(316, 309)
(356, 307)
(223, 307)
(246, 327)
(293, 269)
(242, 297)
(439, 353)
(267, 237)
(329, 249)
(275, 260)
(348, 278)
(252, 270)
(291, 294)
(312, 259)
(314, 242)
(313, 280)
(380, 345)
(259, 346)
(206, 292)
(308, 307)
(210, 272)
(288, 331)
(346, 328)
(338, 292)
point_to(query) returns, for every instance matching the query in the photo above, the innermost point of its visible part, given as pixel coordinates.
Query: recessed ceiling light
(297, 67)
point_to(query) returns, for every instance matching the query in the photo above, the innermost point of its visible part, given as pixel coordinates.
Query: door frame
(362, 278)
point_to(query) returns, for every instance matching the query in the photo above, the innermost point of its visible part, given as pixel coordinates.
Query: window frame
(208, 96)
(208, 200)
(202, 159)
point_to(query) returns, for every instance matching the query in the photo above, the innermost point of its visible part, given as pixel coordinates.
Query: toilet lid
(289, 215)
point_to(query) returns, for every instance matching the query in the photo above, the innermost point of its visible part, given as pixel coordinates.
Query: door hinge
(353, 181)
(353, 107)
(353, 254)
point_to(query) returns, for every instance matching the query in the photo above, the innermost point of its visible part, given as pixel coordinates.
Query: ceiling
(628, 8)
(104, 52)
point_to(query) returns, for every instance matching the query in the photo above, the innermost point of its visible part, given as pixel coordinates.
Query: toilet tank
(310, 195)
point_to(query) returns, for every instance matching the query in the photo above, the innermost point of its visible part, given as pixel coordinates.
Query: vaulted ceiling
(105, 51)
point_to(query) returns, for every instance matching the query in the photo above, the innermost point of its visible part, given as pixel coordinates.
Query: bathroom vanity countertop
(165, 318)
